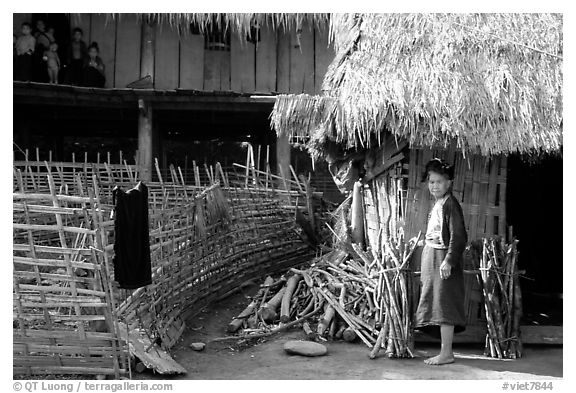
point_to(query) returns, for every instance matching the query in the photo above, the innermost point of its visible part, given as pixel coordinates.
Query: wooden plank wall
(323, 56)
(266, 60)
(281, 61)
(192, 62)
(242, 65)
(167, 58)
(127, 58)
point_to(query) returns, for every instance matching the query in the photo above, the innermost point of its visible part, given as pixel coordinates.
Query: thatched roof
(492, 82)
(238, 22)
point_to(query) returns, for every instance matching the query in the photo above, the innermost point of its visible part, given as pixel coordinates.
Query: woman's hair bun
(439, 166)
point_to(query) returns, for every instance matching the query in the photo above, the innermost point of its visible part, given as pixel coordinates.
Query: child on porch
(441, 306)
(93, 68)
(52, 62)
(25, 45)
(77, 53)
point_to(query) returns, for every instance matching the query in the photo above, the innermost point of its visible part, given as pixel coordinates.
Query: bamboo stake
(285, 306)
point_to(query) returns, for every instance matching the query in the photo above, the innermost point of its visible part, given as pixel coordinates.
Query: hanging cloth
(132, 267)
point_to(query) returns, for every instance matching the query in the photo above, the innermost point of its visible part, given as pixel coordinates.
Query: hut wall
(480, 186)
(205, 241)
(280, 62)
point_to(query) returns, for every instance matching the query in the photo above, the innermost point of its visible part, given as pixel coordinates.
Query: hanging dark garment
(132, 267)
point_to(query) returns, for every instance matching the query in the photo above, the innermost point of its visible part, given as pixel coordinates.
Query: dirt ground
(267, 360)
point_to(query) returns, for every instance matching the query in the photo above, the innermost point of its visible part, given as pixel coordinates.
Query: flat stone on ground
(197, 346)
(305, 348)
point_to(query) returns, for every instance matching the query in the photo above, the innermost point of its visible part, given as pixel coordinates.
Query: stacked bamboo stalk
(502, 297)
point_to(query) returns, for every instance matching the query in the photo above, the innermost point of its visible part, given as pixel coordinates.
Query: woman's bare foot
(440, 359)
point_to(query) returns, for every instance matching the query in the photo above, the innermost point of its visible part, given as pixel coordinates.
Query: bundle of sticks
(502, 297)
(348, 294)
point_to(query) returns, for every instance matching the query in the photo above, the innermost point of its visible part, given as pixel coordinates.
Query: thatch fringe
(492, 82)
(240, 23)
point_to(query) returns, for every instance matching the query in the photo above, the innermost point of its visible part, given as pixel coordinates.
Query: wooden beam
(542, 334)
(44, 95)
(283, 159)
(530, 334)
(145, 140)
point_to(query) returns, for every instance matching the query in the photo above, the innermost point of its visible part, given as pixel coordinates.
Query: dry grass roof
(237, 22)
(492, 82)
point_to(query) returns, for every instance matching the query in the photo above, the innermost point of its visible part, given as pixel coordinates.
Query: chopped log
(252, 322)
(349, 335)
(140, 367)
(308, 331)
(273, 331)
(268, 310)
(237, 322)
(287, 297)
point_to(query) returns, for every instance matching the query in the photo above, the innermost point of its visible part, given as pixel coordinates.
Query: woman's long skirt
(441, 301)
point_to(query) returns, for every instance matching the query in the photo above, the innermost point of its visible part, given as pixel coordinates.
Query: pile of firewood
(343, 295)
(502, 297)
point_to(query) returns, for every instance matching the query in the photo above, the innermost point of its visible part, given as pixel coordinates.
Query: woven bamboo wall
(63, 314)
(205, 241)
(194, 265)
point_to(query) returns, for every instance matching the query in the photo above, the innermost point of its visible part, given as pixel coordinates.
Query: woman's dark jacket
(453, 230)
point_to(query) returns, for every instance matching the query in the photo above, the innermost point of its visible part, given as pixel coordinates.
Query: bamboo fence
(205, 239)
(62, 293)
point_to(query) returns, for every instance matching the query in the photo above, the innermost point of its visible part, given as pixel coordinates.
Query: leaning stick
(268, 310)
(325, 321)
(287, 297)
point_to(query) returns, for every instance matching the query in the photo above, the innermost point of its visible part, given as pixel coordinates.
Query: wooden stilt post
(145, 140)
(283, 159)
